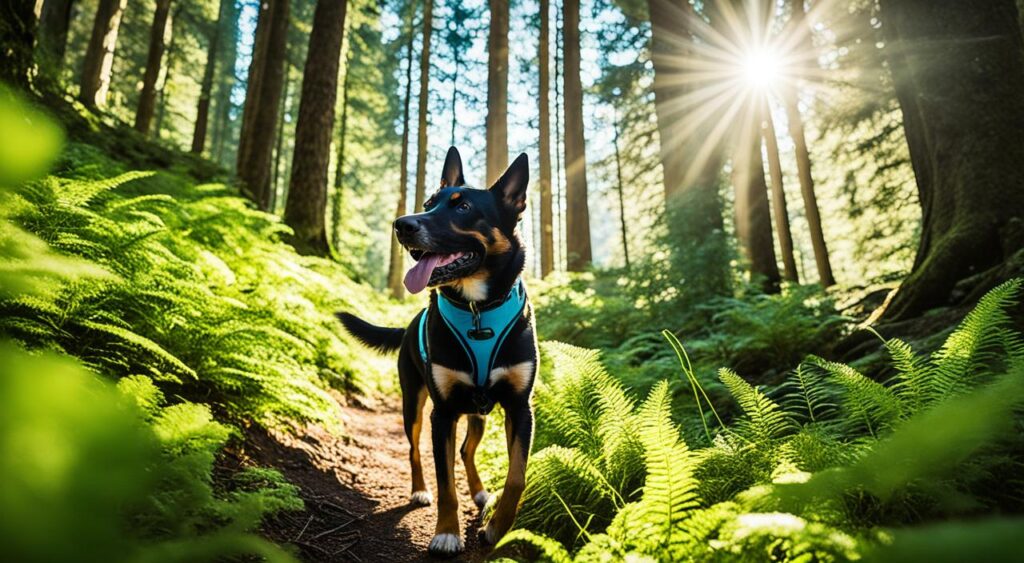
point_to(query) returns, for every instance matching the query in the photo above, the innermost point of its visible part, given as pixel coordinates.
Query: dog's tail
(379, 338)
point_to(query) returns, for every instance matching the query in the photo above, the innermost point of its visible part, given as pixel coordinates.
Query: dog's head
(465, 238)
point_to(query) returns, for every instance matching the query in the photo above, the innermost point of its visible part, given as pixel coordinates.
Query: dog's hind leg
(447, 540)
(474, 431)
(414, 395)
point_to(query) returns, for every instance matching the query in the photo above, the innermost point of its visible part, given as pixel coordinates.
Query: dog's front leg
(447, 539)
(519, 434)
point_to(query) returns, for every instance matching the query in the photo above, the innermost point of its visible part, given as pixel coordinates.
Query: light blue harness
(480, 333)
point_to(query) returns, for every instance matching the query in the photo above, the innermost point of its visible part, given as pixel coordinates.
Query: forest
(774, 252)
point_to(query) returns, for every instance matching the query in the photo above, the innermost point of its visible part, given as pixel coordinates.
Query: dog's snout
(405, 226)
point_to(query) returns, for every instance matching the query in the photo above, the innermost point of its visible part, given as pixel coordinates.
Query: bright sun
(761, 68)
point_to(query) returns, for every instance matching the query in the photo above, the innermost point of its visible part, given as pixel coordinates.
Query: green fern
(866, 401)
(669, 493)
(960, 361)
(765, 421)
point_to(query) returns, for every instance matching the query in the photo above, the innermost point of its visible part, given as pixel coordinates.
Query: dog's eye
(462, 207)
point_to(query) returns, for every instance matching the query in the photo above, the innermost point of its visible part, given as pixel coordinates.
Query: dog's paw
(489, 534)
(421, 498)
(481, 498)
(446, 545)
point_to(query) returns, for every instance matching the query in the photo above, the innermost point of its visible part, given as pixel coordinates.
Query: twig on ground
(303, 530)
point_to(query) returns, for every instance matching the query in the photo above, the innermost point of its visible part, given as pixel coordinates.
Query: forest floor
(356, 488)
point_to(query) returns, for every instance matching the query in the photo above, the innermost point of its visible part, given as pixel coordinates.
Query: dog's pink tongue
(418, 276)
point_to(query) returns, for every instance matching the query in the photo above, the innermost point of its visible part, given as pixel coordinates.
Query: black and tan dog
(474, 345)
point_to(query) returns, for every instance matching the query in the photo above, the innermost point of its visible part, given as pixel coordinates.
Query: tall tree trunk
(395, 268)
(52, 42)
(691, 154)
(339, 173)
(279, 161)
(771, 144)
(577, 212)
(620, 189)
(99, 56)
(158, 36)
(223, 128)
(753, 219)
(253, 84)
(958, 71)
(18, 28)
(559, 237)
(254, 167)
(206, 90)
(455, 93)
(421, 134)
(803, 158)
(497, 90)
(547, 246)
(306, 207)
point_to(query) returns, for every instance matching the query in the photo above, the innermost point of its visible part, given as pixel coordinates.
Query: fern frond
(669, 492)
(542, 548)
(141, 343)
(806, 396)
(914, 374)
(764, 421)
(866, 401)
(973, 344)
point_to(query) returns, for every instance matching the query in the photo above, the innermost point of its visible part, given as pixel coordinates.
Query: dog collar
(479, 332)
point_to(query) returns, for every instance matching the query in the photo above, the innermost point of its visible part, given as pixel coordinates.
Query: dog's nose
(405, 226)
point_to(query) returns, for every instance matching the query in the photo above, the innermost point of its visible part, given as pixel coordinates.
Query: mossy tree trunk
(958, 71)
(753, 219)
(497, 91)
(306, 207)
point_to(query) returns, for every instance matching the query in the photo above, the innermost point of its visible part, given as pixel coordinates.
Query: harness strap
(480, 333)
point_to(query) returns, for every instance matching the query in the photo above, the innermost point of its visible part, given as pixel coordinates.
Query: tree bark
(779, 195)
(421, 135)
(620, 188)
(18, 28)
(158, 34)
(99, 56)
(803, 160)
(547, 245)
(252, 88)
(691, 155)
(497, 91)
(559, 236)
(223, 128)
(395, 268)
(206, 90)
(279, 161)
(339, 173)
(52, 38)
(753, 219)
(306, 207)
(256, 145)
(958, 71)
(577, 212)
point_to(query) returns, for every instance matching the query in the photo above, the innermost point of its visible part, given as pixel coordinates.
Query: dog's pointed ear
(510, 189)
(451, 175)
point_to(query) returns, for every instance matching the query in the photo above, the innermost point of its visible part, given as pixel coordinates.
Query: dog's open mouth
(433, 268)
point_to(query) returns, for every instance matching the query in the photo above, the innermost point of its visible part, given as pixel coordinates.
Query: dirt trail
(356, 489)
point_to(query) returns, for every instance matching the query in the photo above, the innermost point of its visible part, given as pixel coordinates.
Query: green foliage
(827, 466)
(90, 480)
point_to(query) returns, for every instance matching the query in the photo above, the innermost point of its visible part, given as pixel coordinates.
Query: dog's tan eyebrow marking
(455, 196)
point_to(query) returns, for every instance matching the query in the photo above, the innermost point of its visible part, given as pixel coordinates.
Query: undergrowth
(141, 318)
(828, 465)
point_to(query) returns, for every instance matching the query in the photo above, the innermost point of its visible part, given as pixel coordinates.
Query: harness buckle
(478, 332)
